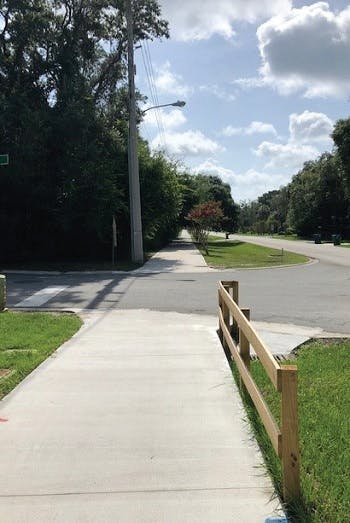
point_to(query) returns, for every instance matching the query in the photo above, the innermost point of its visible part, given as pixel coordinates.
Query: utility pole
(133, 161)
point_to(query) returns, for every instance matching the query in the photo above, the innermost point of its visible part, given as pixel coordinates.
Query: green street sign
(4, 159)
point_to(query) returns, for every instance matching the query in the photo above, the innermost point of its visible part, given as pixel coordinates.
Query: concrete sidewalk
(179, 256)
(136, 419)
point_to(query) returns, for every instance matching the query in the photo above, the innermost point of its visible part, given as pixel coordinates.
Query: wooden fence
(2, 292)
(237, 335)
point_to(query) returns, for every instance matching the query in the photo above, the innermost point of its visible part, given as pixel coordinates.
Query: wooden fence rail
(237, 335)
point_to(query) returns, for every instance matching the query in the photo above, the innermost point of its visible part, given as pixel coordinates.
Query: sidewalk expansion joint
(137, 491)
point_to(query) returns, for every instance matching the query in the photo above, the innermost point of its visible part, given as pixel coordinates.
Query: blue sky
(263, 82)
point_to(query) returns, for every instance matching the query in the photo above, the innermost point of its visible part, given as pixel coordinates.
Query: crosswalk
(41, 297)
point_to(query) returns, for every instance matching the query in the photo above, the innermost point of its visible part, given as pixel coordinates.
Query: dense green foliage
(323, 399)
(63, 120)
(200, 189)
(64, 123)
(317, 200)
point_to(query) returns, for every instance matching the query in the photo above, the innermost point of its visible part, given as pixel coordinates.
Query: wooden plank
(267, 419)
(269, 363)
(229, 283)
(290, 438)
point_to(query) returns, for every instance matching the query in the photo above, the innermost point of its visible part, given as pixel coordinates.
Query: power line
(148, 53)
(147, 61)
(153, 94)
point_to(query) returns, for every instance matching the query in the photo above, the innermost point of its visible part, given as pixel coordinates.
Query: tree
(161, 197)
(202, 188)
(318, 199)
(63, 120)
(341, 137)
(203, 218)
(267, 214)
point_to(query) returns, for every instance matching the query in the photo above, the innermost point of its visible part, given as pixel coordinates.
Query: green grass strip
(324, 419)
(27, 339)
(225, 254)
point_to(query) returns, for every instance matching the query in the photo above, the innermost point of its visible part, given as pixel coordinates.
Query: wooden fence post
(290, 437)
(2, 292)
(235, 297)
(226, 317)
(244, 346)
(235, 292)
(221, 337)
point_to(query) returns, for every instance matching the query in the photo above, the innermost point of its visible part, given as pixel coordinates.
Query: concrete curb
(63, 273)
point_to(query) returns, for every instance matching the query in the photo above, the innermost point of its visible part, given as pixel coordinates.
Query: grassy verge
(226, 254)
(27, 339)
(324, 399)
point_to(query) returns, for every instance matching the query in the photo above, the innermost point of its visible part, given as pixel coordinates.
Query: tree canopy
(317, 200)
(64, 123)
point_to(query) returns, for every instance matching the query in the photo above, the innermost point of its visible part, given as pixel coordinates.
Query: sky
(264, 82)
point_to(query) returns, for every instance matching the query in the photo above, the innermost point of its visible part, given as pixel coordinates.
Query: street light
(179, 103)
(133, 161)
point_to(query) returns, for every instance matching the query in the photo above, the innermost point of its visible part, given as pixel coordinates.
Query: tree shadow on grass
(224, 243)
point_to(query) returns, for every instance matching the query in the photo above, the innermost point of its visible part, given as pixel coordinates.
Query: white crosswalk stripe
(39, 298)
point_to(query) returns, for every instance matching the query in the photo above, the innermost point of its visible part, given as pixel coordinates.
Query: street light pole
(133, 161)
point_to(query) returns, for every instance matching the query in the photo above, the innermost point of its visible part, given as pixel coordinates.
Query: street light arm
(179, 103)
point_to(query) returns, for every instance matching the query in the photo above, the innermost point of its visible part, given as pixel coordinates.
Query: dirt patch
(18, 350)
(4, 373)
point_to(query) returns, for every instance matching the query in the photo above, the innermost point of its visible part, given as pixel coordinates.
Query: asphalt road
(325, 252)
(312, 295)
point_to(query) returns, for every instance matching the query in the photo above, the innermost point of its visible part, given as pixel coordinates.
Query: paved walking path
(179, 256)
(135, 420)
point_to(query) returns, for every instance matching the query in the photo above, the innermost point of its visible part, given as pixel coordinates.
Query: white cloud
(290, 156)
(306, 130)
(200, 19)
(245, 186)
(250, 83)
(219, 92)
(307, 49)
(213, 167)
(310, 127)
(168, 82)
(188, 143)
(253, 128)
(170, 119)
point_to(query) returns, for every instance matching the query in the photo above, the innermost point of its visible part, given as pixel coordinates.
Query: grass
(235, 254)
(27, 339)
(324, 399)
